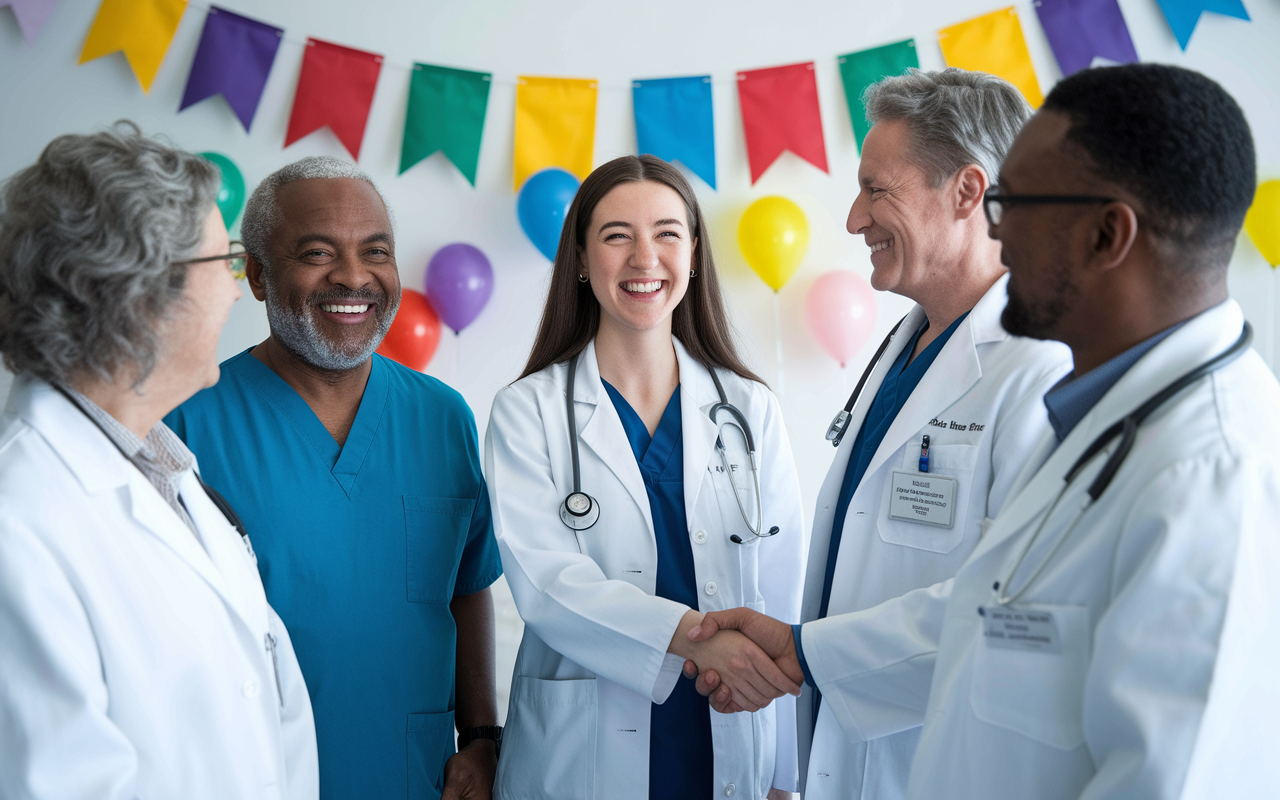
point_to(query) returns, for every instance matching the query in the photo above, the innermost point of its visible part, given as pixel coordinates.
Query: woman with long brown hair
(640, 475)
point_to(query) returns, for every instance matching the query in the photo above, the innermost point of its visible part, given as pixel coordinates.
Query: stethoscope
(836, 431)
(580, 510)
(1127, 430)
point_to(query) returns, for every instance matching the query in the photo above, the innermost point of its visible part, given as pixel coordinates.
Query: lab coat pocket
(435, 532)
(430, 743)
(951, 461)
(1037, 694)
(549, 744)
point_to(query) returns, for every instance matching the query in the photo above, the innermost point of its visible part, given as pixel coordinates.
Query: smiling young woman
(630, 388)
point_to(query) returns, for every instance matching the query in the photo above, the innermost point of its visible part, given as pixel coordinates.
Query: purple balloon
(459, 283)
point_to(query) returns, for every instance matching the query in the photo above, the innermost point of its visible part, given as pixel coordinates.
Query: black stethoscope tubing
(1127, 429)
(836, 431)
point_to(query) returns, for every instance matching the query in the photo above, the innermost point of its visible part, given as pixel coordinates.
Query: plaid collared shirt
(161, 457)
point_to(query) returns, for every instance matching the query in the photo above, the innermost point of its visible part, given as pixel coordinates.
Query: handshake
(742, 659)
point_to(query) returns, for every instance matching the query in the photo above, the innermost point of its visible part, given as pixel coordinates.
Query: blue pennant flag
(1184, 14)
(673, 122)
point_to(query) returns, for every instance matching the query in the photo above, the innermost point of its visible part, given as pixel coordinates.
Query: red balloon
(414, 334)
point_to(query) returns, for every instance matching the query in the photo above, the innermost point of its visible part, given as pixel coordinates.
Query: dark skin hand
(469, 773)
(772, 636)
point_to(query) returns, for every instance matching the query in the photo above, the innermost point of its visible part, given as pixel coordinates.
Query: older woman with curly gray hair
(138, 653)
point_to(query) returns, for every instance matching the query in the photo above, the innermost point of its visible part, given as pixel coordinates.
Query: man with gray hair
(361, 481)
(928, 450)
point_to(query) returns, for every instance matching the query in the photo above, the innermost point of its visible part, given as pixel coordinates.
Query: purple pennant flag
(31, 14)
(1081, 30)
(234, 58)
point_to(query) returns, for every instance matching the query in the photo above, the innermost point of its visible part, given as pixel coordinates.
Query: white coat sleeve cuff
(670, 671)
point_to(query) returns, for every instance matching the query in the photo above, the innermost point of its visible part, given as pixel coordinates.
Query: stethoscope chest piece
(579, 511)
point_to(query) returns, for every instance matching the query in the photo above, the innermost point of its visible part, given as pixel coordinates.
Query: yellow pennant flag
(143, 29)
(555, 126)
(993, 43)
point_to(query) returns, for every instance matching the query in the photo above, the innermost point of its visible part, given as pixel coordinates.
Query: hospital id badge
(923, 497)
(1012, 628)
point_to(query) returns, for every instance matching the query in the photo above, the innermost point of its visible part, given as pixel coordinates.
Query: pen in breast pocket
(924, 453)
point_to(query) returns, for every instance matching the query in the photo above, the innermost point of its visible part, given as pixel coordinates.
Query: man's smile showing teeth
(878, 246)
(642, 287)
(333, 308)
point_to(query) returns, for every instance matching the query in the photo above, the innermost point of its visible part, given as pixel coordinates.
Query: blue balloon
(543, 202)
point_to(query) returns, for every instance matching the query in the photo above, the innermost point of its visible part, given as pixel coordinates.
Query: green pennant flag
(860, 70)
(446, 112)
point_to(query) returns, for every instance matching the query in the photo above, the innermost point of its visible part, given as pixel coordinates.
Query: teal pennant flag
(446, 112)
(860, 70)
(1184, 14)
(673, 122)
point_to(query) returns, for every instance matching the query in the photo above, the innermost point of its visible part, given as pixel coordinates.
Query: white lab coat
(980, 404)
(1163, 598)
(133, 660)
(594, 655)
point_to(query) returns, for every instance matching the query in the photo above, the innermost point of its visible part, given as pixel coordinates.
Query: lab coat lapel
(829, 494)
(603, 432)
(697, 396)
(101, 468)
(1198, 340)
(951, 375)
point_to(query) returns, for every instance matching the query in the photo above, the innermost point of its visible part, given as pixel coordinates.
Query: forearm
(475, 703)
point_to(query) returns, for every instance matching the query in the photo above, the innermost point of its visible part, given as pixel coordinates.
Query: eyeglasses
(995, 204)
(235, 259)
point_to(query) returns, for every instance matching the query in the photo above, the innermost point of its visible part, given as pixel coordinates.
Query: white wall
(44, 93)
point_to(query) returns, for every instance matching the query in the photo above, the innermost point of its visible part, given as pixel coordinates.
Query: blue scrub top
(899, 382)
(680, 750)
(361, 548)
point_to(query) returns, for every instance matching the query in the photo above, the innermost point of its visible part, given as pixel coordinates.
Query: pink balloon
(840, 310)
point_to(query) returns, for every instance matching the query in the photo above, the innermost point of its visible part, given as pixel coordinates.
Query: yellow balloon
(773, 236)
(1263, 221)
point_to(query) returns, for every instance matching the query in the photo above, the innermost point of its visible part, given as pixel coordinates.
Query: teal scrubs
(361, 548)
(680, 749)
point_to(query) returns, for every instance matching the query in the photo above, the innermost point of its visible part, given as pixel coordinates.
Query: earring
(693, 273)
(582, 278)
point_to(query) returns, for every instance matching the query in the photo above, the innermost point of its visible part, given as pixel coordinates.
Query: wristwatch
(491, 732)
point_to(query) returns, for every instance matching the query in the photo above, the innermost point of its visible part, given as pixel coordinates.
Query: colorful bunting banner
(674, 123)
(780, 112)
(860, 70)
(143, 29)
(31, 14)
(1081, 30)
(555, 126)
(335, 89)
(1184, 14)
(993, 43)
(446, 112)
(234, 58)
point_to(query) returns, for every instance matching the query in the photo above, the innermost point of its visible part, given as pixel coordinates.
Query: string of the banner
(409, 66)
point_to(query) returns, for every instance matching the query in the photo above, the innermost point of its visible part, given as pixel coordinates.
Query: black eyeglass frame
(236, 260)
(1003, 201)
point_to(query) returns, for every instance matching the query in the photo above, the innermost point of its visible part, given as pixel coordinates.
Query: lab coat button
(711, 589)
(700, 537)
(250, 688)
(729, 790)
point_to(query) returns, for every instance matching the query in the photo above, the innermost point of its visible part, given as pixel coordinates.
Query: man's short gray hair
(89, 239)
(262, 212)
(956, 118)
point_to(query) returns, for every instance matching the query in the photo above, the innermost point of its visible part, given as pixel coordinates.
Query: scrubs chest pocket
(1034, 693)
(949, 461)
(436, 531)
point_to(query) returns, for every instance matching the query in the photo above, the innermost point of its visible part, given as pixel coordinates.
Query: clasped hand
(748, 660)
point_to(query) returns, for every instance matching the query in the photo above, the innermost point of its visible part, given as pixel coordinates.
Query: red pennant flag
(335, 89)
(780, 112)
